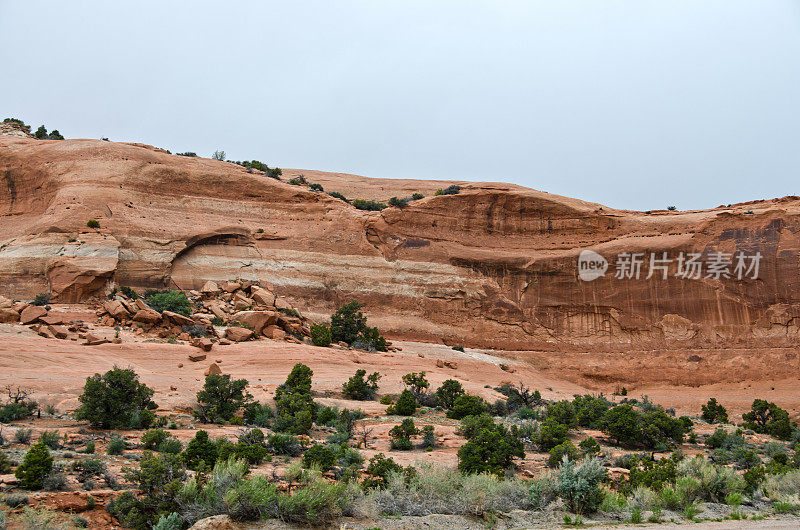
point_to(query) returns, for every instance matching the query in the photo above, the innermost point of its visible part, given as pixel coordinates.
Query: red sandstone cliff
(494, 266)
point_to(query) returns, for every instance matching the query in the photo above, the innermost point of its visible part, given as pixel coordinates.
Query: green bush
(713, 483)
(768, 418)
(471, 426)
(550, 435)
(447, 394)
(589, 446)
(169, 522)
(5, 464)
(557, 454)
(222, 398)
(321, 335)
(406, 404)
(200, 451)
(449, 190)
(347, 322)
(51, 439)
(579, 485)
(622, 424)
(296, 410)
(416, 382)
(319, 455)
(589, 410)
(285, 444)
(117, 445)
(15, 500)
(174, 301)
(378, 470)
(93, 223)
(359, 388)
(170, 445)
(368, 205)
(35, 468)
(466, 405)
(153, 438)
(337, 195)
(713, 412)
(116, 400)
(17, 411)
(491, 450)
(370, 339)
(401, 435)
(257, 414)
(398, 203)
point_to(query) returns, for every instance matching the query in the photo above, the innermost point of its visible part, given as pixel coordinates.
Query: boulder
(257, 320)
(230, 287)
(213, 370)
(242, 302)
(204, 343)
(6, 303)
(210, 288)
(218, 310)
(446, 364)
(94, 340)
(237, 334)
(177, 318)
(262, 296)
(274, 332)
(59, 332)
(116, 309)
(282, 303)
(7, 314)
(31, 314)
(148, 316)
(216, 522)
(51, 320)
(195, 357)
(140, 304)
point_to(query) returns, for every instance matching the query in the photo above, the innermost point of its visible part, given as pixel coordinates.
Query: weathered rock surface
(31, 314)
(237, 334)
(493, 266)
(257, 320)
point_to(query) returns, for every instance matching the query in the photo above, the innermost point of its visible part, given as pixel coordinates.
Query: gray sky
(636, 104)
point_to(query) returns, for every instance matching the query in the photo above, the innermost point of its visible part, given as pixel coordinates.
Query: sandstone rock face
(116, 309)
(8, 315)
(493, 266)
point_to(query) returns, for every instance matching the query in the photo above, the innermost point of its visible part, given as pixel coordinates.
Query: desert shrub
(447, 394)
(466, 405)
(221, 398)
(93, 223)
(169, 522)
(562, 412)
(449, 190)
(116, 400)
(659, 429)
(35, 467)
(191, 154)
(5, 464)
(337, 195)
(347, 322)
(153, 438)
(622, 424)
(320, 455)
(218, 155)
(15, 500)
(406, 404)
(159, 478)
(284, 444)
(378, 470)
(398, 203)
(714, 483)
(370, 339)
(589, 410)
(200, 450)
(368, 205)
(491, 450)
(359, 388)
(321, 335)
(417, 196)
(649, 473)
(296, 410)
(783, 487)
(327, 415)
(589, 446)
(174, 301)
(559, 452)
(471, 426)
(543, 491)
(51, 439)
(438, 490)
(550, 435)
(316, 187)
(401, 435)
(55, 135)
(170, 445)
(257, 414)
(713, 412)
(428, 437)
(128, 292)
(23, 435)
(250, 447)
(579, 485)
(89, 448)
(116, 446)
(768, 418)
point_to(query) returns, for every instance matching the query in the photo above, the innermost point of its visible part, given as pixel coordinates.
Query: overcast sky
(636, 104)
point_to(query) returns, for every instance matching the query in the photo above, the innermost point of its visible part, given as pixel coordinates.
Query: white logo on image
(591, 265)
